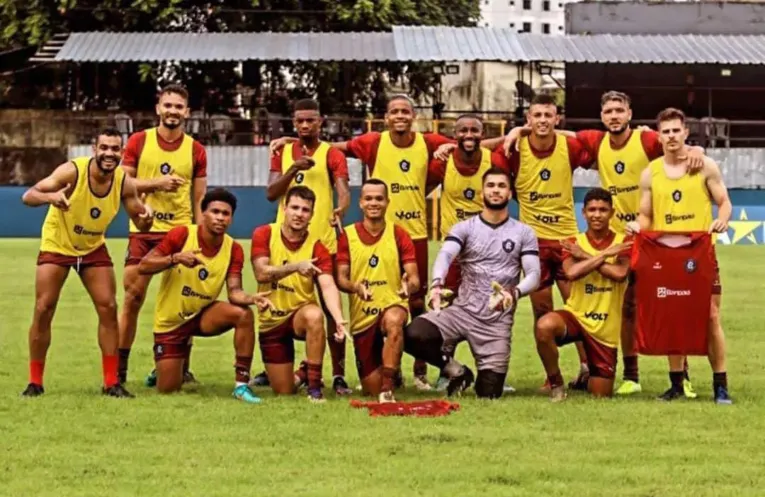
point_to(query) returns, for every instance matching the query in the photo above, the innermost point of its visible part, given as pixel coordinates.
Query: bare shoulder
(711, 169)
(645, 178)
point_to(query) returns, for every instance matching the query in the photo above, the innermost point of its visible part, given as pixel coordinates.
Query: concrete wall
(665, 18)
(747, 227)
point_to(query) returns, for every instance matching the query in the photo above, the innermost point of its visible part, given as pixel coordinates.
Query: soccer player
(597, 264)
(493, 248)
(288, 260)
(171, 167)
(315, 164)
(671, 200)
(542, 169)
(196, 261)
(377, 266)
(83, 196)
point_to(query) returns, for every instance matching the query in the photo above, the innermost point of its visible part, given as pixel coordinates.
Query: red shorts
(277, 345)
(453, 277)
(368, 346)
(97, 258)
(421, 252)
(140, 244)
(550, 263)
(175, 344)
(601, 359)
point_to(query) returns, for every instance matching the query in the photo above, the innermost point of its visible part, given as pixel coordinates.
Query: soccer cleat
(188, 377)
(545, 388)
(461, 382)
(421, 383)
(386, 397)
(316, 396)
(508, 389)
(33, 390)
(557, 394)
(629, 387)
(151, 379)
(721, 396)
(671, 394)
(243, 392)
(340, 386)
(260, 380)
(117, 391)
(580, 383)
(442, 383)
(688, 390)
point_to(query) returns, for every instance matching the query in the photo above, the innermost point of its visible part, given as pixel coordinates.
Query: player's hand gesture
(444, 151)
(59, 200)
(170, 183)
(304, 163)
(718, 226)
(575, 250)
(617, 249)
(277, 145)
(307, 268)
(261, 300)
(188, 258)
(632, 228)
(435, 298)
(337, 219)
(500, 298)
(513, 138)
(403, 292)
(148, 212)
(362, 291)
(341, 332)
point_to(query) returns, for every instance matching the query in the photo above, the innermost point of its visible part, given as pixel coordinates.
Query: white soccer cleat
(386, 397)
(421, 384)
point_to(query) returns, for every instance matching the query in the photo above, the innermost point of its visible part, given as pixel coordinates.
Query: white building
(525, 16)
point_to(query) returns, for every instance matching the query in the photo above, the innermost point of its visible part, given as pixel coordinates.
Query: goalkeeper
(493, 248)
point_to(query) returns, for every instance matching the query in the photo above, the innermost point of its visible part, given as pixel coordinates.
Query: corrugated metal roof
(440, 43)
(148, 47)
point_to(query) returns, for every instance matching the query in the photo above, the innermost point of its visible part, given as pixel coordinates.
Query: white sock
(239, 384)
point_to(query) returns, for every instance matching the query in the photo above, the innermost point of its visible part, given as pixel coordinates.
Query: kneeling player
(197, 260)
(287, 259)
(370, 258)
(597, 264)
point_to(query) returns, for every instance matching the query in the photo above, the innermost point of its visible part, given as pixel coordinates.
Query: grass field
(74, 442)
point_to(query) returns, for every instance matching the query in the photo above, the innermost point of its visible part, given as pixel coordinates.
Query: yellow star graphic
(743, 228)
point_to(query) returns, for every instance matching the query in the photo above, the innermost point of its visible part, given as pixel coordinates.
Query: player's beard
(620, 130)
(496, 207)
(100, 165)
(174, 125)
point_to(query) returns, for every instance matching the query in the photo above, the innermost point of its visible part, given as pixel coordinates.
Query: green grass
(74, 442)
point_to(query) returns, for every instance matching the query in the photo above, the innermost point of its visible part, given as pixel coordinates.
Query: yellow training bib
(597, 301)
(379, 266)
(405, 170)
(681, 204)
(81, 229)
(318, 180)
(545, 192)
(171, 209)
(461, 196)
(184, 292)
(289, 293)
(619, 172)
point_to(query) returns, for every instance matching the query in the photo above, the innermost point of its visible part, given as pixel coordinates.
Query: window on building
(546, 5)
(526, 27)
(526, 4)
(545, 28)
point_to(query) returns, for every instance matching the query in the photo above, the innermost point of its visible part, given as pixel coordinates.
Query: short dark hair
(544, 99)
(219, 195)
(615, 96)
(300, 191)
(468, 116)
(111, 132)
(376, 181)
(495, 171)
(306, 104)
(177, 89)
(670, 114)
(401, 96)
(598, 194)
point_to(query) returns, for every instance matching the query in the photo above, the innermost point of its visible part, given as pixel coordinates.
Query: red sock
(36, 370)
(110, 364)
(314, 375)
(555, 379)
(242, 369)
(388, 375)
(337, 353)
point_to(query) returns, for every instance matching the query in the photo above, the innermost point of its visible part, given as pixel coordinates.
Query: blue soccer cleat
(243, 392)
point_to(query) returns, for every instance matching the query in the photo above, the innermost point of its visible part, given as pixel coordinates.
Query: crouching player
(195, 262)
(288, 259)
(597, 264)
(371, 257)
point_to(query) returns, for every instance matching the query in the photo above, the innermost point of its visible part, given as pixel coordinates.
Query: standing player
(171, 167)
(315, 164)
(671, 200)
(543, 170)
(196, 261)
(377, 266)
(84, 195)
(288, 259)
(493, 248)
(597, 264)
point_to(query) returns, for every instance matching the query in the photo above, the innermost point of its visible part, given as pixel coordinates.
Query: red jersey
(673, 291)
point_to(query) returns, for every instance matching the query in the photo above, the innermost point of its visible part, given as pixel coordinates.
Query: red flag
(419, 408)
(674, 274)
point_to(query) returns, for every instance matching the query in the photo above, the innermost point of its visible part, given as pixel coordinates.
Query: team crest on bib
(203, 274)
(469, 193)
(165, 168)
(299, 178)
(677, 195)
(508, 245)
(374, 261)
(545, 174)
(404, 165)
(690, 265)
(95, 212)
(619, 167)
